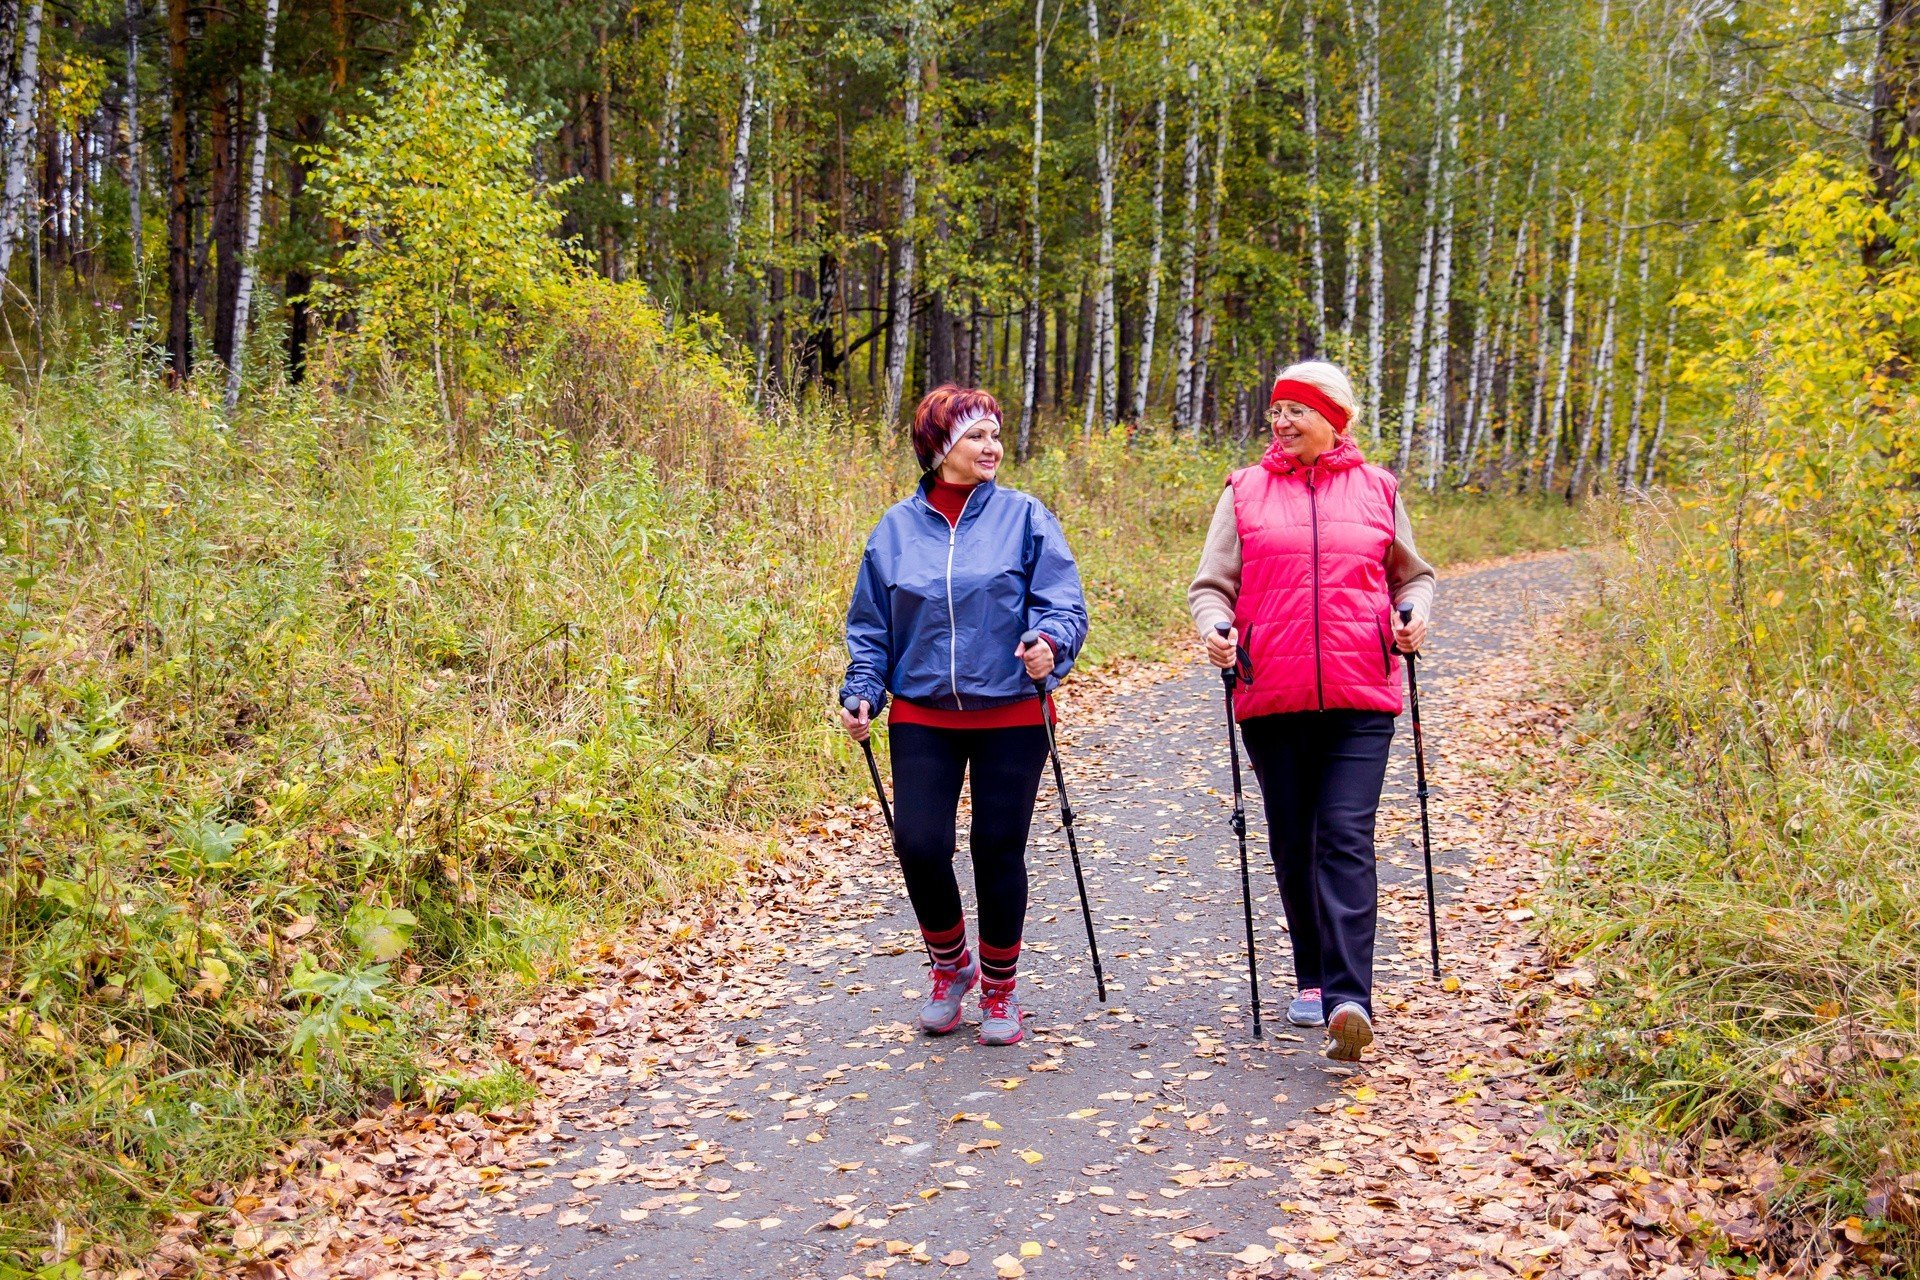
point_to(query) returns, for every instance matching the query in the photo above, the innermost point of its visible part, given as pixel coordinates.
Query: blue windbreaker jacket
(938, 610)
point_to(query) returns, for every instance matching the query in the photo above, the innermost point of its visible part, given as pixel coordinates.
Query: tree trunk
(179, 200)
(1083, 345)
(1203, 342)
(1542, 349)
(1429, 243)
(1894, 119)
(226, 129)
(1107, 389)
(1477, 372)
(20, 130)
(743, 145)
(1030, 391)
(256, 186)
(1558, 417)
(603, 159)
(1376, 249)
(667, 162)
(1189, 260)
(1603, 360)
(1631, 460)
(1441, 327)
(1318, 324)
(901, 304)
(1155, 255)
(136, 175)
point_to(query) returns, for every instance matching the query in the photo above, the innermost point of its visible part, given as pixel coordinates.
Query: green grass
(317, 714)
(1753, 715)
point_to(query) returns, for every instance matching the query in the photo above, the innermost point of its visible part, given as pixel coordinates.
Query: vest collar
(1344, 456)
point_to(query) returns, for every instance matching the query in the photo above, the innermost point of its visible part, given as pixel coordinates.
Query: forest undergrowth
(329, 731)
(1751, 897)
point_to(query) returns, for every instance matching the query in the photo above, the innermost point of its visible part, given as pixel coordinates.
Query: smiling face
(1301, 431)
(975, 458)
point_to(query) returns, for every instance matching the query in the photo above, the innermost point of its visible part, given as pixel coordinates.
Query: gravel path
(1121, 1137)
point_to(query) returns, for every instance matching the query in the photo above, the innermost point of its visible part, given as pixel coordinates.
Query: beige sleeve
(1216, 583)
(1409, 578)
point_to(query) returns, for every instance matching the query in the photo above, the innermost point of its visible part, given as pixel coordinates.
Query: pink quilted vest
(1314, 611)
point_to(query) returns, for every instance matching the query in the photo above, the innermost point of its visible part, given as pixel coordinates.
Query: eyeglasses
(1288, 410)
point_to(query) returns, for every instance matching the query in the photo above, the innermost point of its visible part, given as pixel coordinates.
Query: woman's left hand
(1039, 659)
(1408, 637)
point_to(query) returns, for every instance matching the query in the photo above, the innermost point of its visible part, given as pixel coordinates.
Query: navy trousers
(1320, 775)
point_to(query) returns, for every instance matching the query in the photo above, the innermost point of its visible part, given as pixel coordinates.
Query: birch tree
(743, 143)
(1442, 335)
(20, 133)
(901, 303)
(667, 160)
(1031, 337)
(1567, 321)
(136, 177)
(1105, 390)
(1312, 121)
(1416, 343)
(1183, 321)
(1156, 254)
(256, 185)
(1602, 376)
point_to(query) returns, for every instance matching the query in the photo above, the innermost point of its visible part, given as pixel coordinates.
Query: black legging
(1320, 776)
(928, 767)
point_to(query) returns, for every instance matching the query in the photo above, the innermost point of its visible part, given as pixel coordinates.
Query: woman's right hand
(857, 726)
(1222, 649)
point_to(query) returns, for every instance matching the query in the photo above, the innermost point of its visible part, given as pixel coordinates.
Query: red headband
(1311, 396)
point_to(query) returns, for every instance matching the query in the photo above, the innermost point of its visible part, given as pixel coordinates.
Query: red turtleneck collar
(949, 499)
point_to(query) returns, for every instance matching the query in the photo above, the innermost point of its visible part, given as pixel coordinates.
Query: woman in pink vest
(1309, 558)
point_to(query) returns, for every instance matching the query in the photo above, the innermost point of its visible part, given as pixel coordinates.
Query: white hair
(1328, 378)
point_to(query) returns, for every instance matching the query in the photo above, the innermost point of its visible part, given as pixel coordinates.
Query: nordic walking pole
(1420, 778)
(1066, 820)
(852, 706)
(1228, 676)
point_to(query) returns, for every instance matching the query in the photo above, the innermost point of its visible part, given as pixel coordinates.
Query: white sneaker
(1349, 1031)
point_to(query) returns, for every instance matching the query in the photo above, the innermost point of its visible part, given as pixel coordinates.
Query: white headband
(960, 430)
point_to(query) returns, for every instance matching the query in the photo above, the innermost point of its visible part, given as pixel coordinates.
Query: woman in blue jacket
(952, 578)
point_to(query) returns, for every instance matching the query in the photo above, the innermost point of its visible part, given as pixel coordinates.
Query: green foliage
(1754, 687)
(451, 239)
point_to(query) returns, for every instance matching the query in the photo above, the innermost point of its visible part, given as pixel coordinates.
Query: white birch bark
(1189, 256)
(1105, 386)
(742, 144)
(26, 79)
(1566, 346)
(1203, 342)
(256, 187)
(136, 177)
(1666, 374)
(1485, 332)
(1156, 254)
(1640, 369)
(1600, 393)
(1029, 394)
(1543, 345)
(1441, 326)
(1350, 288)
(1376, 248)
(1416, 345)
(902, 301)
(1312, 106)
(667, 163)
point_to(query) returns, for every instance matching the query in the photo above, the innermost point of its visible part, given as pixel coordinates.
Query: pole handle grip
(1029, 637)
(851, 705)
(1223, 629)
(1406, 614)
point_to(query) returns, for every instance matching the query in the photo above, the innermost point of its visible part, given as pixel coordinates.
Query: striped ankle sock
(948, 947)
(998, 963)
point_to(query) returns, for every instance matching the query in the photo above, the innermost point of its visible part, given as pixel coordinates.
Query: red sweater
(950, 500)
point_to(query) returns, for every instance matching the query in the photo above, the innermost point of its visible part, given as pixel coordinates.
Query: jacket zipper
(1313, 515)
(953, 626)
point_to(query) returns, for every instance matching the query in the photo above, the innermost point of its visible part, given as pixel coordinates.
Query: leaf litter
(1435, 1159)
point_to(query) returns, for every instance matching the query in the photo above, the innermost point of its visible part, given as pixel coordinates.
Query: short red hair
(939, 410)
